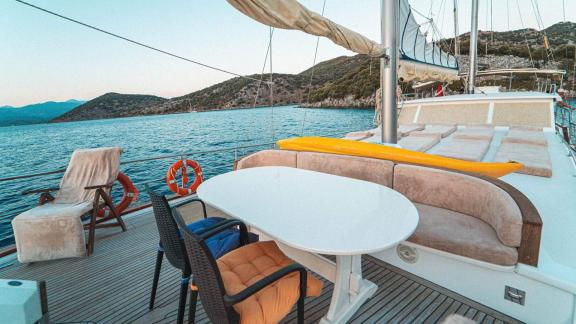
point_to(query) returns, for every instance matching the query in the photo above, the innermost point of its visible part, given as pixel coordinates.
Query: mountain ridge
(36, 113)
(345, 81)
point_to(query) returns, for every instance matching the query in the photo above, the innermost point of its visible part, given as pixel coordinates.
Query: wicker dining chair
(172, 245)
(274, 277)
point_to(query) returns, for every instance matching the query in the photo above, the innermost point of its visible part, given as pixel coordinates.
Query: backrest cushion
(464, 194)
(373, 170)
(268, 158)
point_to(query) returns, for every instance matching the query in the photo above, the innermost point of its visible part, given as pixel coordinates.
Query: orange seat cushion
(245, 266)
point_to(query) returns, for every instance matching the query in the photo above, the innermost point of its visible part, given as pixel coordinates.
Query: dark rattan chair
(172, 245)
(218, 305)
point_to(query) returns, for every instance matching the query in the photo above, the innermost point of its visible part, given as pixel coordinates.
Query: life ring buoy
(181, 165)
(130, 194)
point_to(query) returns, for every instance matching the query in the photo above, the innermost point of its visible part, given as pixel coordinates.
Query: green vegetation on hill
(342, 81)
(111, 105)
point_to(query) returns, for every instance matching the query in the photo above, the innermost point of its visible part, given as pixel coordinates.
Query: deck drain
(407, 254)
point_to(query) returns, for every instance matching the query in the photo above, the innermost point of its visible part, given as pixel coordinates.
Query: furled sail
(290, 14)
(420, 62)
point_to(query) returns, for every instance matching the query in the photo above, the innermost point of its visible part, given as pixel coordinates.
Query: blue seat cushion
(222, 242)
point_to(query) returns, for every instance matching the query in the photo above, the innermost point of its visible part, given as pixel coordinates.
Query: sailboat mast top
(388, 70)
(473, 47)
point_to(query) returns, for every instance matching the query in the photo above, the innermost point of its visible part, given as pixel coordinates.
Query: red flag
(439, 91)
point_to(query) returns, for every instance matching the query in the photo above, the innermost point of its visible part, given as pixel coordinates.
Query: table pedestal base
(350, 289)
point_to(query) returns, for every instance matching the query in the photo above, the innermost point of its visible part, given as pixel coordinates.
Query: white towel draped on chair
(54, 230)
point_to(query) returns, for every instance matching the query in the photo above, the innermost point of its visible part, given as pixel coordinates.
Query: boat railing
(213, 161)
(565, 119)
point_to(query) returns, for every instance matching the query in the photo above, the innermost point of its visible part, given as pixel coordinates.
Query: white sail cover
(420, 61)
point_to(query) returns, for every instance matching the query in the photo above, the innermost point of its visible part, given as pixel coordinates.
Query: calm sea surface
(44, 147)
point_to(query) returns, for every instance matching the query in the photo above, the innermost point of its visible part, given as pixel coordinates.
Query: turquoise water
(44, 147)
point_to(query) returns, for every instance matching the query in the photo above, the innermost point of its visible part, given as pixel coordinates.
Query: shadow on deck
(113, 286)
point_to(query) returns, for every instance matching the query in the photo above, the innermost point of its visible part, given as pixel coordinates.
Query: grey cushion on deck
(373, 170)
(419, 143)
(475, 133)
(465, 149)
(523, 136)
(406, 129)
(535, 158)
(463, 194)
(268, 158)
(442, 130)
(461, 234)
(358, 136)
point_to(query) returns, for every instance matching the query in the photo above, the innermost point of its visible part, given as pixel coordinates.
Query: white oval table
(311, 213)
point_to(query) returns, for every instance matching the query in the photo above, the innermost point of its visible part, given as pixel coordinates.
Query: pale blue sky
(45, 58)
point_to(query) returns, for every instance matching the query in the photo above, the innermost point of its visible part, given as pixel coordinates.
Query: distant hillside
(111, 105)
(36, 113)
(330, 78)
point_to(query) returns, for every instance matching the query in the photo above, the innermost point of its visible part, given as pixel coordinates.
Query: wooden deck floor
(113, 286)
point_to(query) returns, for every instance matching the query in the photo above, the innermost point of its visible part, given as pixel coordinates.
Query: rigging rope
(526, 39)
(271, 90)
(135, 42)
(262, 72)
(311, 76)
(540, 22)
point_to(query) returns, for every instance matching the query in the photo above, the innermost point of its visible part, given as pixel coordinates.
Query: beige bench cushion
(461, 234)
(465, 149)
(419, 143)
(535, 158)
(268, 158)
(373, 170)
(463, 194)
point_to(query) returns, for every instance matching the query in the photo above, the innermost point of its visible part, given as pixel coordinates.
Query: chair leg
(159, 258)
(113, 210)
(192, 306)
(92, 227)
(183, 294)
(302, 297)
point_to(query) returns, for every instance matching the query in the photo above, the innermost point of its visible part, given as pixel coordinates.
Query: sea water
(44, 147)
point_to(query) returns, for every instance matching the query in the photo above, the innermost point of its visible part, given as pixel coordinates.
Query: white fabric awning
(422, 62)
(290, 14)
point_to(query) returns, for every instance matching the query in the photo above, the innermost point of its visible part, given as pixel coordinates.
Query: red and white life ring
(184, 189)
(130, 194)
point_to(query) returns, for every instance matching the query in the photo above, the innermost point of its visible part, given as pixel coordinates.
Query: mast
(473, 47)
(456, 33)
(388, 70)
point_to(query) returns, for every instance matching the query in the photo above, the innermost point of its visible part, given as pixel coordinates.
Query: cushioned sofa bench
(468, 215)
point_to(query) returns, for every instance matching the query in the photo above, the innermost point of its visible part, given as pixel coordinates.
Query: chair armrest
(183, 203)
(45, 190)
(211, 227)
(266, 281)
(99, 186)
(222, 226)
